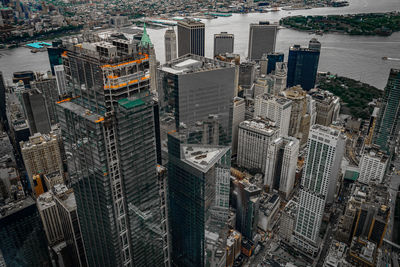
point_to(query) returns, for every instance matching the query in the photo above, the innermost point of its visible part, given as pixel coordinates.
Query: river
(357, 57)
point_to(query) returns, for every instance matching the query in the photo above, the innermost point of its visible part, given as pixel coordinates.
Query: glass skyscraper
(109, 137)
(388, 122)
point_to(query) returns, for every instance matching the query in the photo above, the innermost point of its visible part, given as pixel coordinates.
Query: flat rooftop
(202, 157)
(81, 111)
(262, 125)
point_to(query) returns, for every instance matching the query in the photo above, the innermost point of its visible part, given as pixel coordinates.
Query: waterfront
(357, 57)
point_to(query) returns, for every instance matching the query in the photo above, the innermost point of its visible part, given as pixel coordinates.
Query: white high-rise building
(372, 166)
(51, 220)
(60, 78)
(280, 77)
(325, 149)
(274, 108)
(170, 44)
(280, 170)
(239, 111)
(255, 136)
(312, 109)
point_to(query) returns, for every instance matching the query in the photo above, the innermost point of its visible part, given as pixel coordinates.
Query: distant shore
(379, 24)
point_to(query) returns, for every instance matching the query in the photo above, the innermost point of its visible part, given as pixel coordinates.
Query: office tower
(373, 165)
(198, 184)
(146, 43)
(247, 197)
(223, 43)
(239, 110)
(280, 170)
(36, 111)
(25, 76)
(288, 220)
(274, 108)
(22, 239)
(51, 221)
(48, 89)
(255, 136)
(262, 39)
(263, 65)
(327, 107)
(280, 77)
(302, 67)
(247, 74)
(193, 88)
(274, 58)
(64, 199)
(299, 125)
(3, 114)
(108, 131)
(54, 52)
(41, 155)
(325, 149)
(170, 44)
(387, 123)
(190, 37)
(59, 72)
(314, 44)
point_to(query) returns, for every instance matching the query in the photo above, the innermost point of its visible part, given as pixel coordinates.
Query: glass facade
(302, 67)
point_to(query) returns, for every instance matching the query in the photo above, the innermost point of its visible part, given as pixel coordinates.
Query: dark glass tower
(3, 114)
(54, 52)
(273, 58)
(302, 66)
(190, 37)
(109, 137)
(388, 122)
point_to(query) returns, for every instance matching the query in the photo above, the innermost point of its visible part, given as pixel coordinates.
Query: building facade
(274, 58)
(170, 44)
(191, 38)
(262, 39)
(373, 165)
(239, 111)
(223, 43)
(36, 111)
(280, 77)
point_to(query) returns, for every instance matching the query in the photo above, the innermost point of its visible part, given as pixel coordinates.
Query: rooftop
(261, 125)
(81, 111)
(375, 152)
(202, 157)
(65, 196)
(280, 100)
(129, 103)
(15, 206)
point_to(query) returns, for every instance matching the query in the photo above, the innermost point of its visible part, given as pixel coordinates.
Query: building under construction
(109, 136)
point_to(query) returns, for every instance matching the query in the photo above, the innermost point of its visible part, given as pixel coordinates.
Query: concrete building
(299, 125)
(288, 220)
(280, 169)
(255, 136)
(51, 220)
(198, 184)
(112, 154)
(53, 178)
(280, 77)
(170, 44)
(191, 37)
(327, 107)
(223, 43)
(325, 151)
(194, 87)
(246, 74)
(239, 110)
(262, 39)
(48, 87)
(263, 64)
(269, 207)
(233, 247)
(274, 108)
(373, 165)
(36, 111)
(41, 155)
(336, 255)
(60, 78)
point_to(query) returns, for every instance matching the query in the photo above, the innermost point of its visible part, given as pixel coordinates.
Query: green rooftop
(351, 175)
(130, 103)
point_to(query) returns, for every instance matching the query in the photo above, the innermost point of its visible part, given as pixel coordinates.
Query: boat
(384, 58)
(34, 50)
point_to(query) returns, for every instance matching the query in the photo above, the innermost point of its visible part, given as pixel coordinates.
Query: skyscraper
(276, 109)
(36, 111)
(48, 89)
(198, 182)
(223, 43)
(170, 44)
(239, 110)
(372, 166)
(3, 114)
(274, 58)
(190, 37)
(194, 88)
(54, 52)
(281, 164)
(262, 39)
(60, 78)
(302, 66)
(325, 149)
(108, 131)
(388, 122)
(280, 77)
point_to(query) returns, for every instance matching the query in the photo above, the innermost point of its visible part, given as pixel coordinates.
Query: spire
(145, 41)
